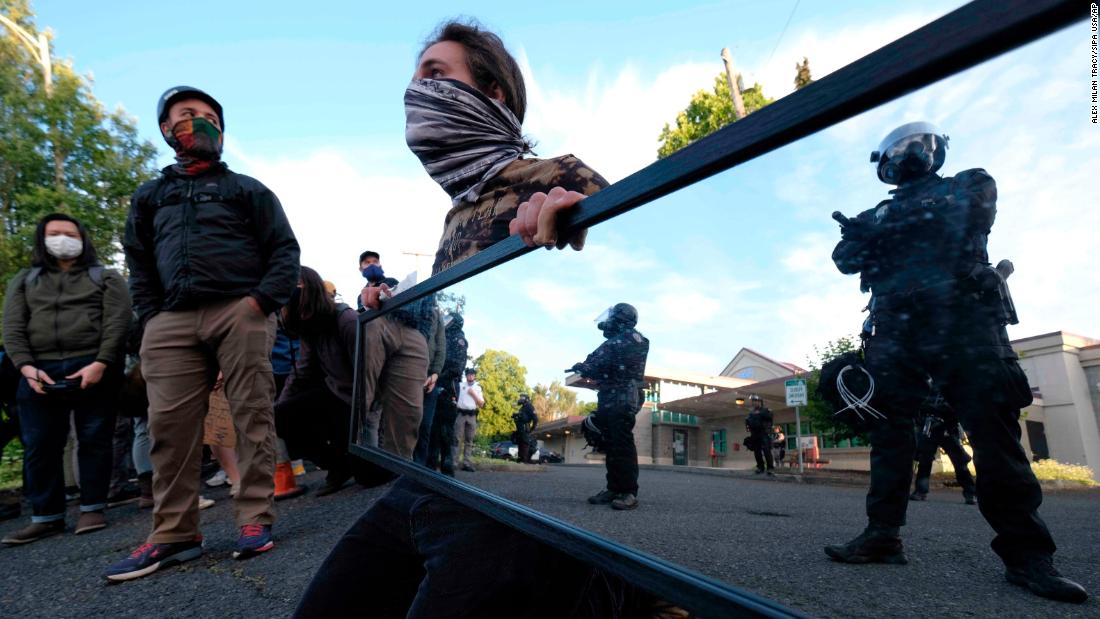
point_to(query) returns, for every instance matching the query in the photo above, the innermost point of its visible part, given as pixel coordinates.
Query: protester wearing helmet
(939, 310)
(618, 369)
(211, 258)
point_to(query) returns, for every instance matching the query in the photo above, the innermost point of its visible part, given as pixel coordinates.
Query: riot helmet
(453, 320)
(909, 152)
(177, 93)
(755, 400)
(617, 319)
(523, 399)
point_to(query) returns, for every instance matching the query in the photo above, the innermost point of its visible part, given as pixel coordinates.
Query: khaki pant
(465, 430)
(181, 354)
(396, 368)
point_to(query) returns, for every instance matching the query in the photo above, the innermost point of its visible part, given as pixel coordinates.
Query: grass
(484, 463)
(11, 466)
(1051, 470)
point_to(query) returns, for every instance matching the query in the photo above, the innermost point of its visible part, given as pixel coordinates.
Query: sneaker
(918, 496)
(149, 558)
(874, 545)
(624, 501)
(603, 497)
(970, 499)
(34, 532)
(205, 502)
(90, 521)
(254, 539)
(219, 479)
(1038, 575)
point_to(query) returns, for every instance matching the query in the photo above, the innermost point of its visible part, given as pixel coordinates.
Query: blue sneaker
(149, 558)
(254, 539)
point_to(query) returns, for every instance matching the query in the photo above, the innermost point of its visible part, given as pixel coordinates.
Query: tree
(708, 112)
(802, 74)
(502, 379)
(554, 402)
(101, 158)
(816, 409)
(451, 303)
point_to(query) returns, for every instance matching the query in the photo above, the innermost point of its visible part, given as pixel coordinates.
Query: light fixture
(739, 401)
(567, 431)
(548, 436)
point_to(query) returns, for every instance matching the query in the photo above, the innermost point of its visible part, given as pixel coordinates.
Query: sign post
(796, 397)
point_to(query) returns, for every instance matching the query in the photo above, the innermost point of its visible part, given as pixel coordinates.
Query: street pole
(798, 439)
(735, 92)
(417, 256)
(40, 48)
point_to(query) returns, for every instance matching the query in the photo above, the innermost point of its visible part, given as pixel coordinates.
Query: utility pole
(735, 92)
(417, 256)
(39, 48)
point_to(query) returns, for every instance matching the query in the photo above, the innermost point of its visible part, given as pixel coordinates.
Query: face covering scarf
(462, 137)
(198, 145)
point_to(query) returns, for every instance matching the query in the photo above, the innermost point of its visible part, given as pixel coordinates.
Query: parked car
(550, 457)
(507, 450)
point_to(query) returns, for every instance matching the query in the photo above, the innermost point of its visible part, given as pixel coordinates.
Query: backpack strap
(32, 275)
(95, 272)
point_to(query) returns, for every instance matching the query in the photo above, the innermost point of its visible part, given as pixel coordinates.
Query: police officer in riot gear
(440, 453)
(937, 427)
(618, 369)
(526, 421)
(939, 310)
(759, 424)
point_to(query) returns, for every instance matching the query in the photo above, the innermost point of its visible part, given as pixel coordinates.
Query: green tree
(708, 112)
(802, 76)
(554, 401)
(451, 303)
(503, 378)
(99, 155)
(817, 410)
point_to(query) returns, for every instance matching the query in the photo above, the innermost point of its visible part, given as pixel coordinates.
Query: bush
(11, 466)
(1050, 470)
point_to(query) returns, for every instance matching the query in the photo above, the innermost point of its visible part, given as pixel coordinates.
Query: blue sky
(313, 109)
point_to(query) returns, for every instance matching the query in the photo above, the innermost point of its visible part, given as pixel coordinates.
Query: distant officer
(526, 421)
(440, 452)
(759, 424)
(618, 369)
(939, 428)
(939, 310)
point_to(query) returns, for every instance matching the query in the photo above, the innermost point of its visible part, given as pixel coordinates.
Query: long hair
(42, 258)
(314, 312)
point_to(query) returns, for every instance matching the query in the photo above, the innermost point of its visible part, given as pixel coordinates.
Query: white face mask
(64, 247)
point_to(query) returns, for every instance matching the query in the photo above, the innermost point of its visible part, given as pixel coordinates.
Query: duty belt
(939, 291)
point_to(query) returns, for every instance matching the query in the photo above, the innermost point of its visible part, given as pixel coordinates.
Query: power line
(783, 32)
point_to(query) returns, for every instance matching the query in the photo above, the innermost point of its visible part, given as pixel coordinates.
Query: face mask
(374, 273)
(64, 247)
(196, 137)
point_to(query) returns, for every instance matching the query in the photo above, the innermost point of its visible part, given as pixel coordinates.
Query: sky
(313, 108)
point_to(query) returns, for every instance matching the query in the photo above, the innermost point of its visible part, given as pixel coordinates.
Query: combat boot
(877, 544)
(1039, 576)
(918, 496)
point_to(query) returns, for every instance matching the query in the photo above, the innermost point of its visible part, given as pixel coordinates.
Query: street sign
(796, 392)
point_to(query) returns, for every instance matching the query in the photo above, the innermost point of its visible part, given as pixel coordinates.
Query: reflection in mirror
(739, 300)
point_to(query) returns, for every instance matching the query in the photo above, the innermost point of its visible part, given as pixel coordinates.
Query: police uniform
(618, 368)
(526, 422)
(446, 408)
(760, 424)
(938, 428)
(939, 311)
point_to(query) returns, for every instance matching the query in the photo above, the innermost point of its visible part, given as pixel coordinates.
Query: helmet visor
(919, 144)
(604, 315)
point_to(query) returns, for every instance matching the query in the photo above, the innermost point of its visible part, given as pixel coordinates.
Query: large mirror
(737, 295)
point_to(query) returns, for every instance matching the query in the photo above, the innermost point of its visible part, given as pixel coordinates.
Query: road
(760, 535)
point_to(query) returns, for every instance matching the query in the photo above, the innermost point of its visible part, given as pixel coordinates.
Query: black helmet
(176, 93)
(755, 398)
(911, 151)
(453, 320)
(617, 318)
(524, 398)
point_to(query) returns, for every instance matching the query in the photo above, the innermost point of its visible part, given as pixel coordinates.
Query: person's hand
(430, 383)
(372, 296)
(89, 374)
(536, 220)
(35, 378)
(254, 304)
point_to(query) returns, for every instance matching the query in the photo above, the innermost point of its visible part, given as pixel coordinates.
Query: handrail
(957, 41)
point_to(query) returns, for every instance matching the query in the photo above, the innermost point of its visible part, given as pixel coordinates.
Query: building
(696, 419)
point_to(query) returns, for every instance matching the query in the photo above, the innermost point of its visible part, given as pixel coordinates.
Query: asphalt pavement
(761, 535)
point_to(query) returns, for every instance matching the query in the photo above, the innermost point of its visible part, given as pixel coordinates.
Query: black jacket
(217, 235)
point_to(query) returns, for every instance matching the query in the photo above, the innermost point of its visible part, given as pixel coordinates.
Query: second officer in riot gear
(618, 369)
(526, 421)
(759, 424)
(939, 310)
(938, 427)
